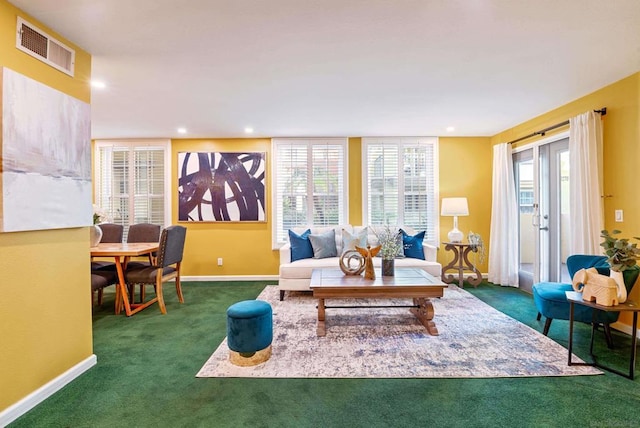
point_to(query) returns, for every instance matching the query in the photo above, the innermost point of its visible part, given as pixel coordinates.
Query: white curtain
(585, 183)
(503, 242)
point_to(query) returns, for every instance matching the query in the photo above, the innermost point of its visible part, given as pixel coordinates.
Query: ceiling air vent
(37, 43)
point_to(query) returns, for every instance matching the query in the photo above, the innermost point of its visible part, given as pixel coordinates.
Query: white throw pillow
(349, 241)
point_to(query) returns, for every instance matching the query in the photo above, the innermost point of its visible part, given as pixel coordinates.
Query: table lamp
(454, 207)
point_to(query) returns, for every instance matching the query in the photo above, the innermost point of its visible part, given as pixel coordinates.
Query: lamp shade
(454, 207)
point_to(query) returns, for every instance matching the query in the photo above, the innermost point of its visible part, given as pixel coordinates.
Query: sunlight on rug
(475, 341)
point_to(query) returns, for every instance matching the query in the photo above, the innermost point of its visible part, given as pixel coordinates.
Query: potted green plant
(621, 256)
(390, 242)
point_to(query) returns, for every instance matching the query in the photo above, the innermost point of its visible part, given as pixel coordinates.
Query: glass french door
(542, 185)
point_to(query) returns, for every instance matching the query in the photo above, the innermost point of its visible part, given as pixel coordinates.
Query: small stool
(249, 332)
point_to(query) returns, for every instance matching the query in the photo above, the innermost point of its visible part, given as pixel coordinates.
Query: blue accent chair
(551, 301)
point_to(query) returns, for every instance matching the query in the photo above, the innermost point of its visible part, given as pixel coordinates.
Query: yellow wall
(355, 181)
(45, 309)
(621, 135)
(465, 171)
(246, 247)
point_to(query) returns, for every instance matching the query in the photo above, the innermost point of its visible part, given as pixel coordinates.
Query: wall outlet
(219, 261)
(619, 215)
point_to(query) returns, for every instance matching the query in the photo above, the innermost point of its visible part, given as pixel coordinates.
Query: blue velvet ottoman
(249, 332)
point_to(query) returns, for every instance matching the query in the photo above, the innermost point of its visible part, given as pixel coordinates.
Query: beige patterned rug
(475, 341)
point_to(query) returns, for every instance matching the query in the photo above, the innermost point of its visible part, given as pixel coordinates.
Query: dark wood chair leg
(539, 316)
(281, 295)
(607, 335)
(142, 293)
(132, 292)
(547, 324)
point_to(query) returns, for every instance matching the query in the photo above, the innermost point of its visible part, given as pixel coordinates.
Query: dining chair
(101, 279)
(142, 232)
(111, 233)
(166, 266)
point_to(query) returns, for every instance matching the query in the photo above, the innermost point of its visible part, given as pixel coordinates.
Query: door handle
(546, 218)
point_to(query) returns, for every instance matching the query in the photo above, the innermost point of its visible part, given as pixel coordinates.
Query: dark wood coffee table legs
(425, 312)
(321, 329)
(407, 283)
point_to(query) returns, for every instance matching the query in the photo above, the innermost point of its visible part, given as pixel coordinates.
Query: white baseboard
(625, 328)
(18, 409)
(231, 278)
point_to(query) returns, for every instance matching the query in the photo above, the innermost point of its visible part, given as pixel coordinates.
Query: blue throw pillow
(413, 245)
(300, 245)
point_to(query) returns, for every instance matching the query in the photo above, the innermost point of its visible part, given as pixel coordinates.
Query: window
(526, 201)
(400, 183)
(131, 181)
(308, 184)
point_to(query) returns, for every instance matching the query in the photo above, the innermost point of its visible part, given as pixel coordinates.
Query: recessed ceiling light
(248, 130)
(450, 129)
(182, 130)
(98, 84)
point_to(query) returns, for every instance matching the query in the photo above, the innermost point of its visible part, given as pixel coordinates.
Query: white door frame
(535, 147)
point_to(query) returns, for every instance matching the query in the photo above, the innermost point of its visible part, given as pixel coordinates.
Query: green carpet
(145, 377)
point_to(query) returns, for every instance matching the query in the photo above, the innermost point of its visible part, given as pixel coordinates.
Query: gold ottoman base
(253, 359)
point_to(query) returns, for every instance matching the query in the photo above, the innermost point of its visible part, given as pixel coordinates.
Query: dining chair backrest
(171, 245)
(143, 232)
(111, 232)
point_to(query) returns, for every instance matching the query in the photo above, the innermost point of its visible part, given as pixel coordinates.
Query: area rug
(475, 341)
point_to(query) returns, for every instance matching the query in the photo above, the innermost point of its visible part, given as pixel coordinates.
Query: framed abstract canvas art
(221, 187)
(45, 172)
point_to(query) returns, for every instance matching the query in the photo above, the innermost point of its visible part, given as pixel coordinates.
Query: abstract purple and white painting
(221, 187)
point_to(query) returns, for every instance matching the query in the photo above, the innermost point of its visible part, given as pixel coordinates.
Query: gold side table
(461, 263)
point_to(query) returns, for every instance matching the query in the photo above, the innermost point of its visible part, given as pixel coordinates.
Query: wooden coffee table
(411, 283)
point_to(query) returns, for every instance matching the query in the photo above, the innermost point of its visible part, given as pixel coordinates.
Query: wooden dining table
(121, 253)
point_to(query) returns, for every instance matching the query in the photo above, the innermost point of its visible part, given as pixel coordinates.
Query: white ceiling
(341, 67)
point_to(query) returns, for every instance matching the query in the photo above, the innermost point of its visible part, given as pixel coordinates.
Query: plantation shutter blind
(291, 200)
(309, 184)
(148, 179)
(420, 204)
(327, 182)
(112, 182)
(401, 183)
(382, 186)
(130, 183)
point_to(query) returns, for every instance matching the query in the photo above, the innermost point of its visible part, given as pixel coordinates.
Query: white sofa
(297, 275)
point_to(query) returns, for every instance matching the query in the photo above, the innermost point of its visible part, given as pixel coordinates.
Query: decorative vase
(95, 235)
(388, 267)
(622, 290)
